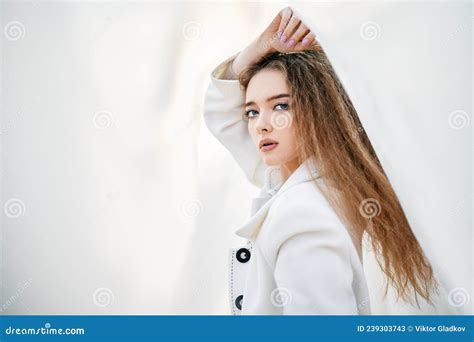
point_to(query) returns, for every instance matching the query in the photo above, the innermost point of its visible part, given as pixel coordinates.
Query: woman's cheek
(290, 143)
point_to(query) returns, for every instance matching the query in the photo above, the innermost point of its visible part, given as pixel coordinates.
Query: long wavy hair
(328, 129)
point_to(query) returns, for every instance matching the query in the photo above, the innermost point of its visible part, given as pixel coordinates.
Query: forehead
(266, 83)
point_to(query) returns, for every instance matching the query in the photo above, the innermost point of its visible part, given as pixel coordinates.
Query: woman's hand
(286, 33)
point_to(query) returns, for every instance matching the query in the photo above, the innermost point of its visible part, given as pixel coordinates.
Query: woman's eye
(283, 106)
(251, 113)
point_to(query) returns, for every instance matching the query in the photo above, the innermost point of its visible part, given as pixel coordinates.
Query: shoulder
(302, 194)
(303, 205)
(301, 210)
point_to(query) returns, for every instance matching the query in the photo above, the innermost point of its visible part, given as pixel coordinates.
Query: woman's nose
(263, 123)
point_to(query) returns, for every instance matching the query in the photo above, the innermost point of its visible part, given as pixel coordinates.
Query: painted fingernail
(283, 39)
(291, 43)
(305, 41)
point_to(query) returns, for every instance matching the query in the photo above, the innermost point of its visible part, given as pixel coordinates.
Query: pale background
(116, 199)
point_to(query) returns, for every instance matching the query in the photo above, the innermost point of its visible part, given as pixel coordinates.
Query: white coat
(299, 258)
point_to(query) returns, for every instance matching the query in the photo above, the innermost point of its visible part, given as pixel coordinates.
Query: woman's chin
(271, 161)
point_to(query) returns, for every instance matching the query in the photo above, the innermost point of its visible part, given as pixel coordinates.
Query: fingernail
(283, 39)
(291, 43)
(305, 41)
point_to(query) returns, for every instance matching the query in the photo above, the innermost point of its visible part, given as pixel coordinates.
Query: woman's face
(270, 117)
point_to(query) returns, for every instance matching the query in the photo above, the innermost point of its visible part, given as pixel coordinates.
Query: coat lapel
(273, 187)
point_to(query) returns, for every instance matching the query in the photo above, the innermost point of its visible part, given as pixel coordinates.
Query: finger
(275, 24)
(300, 33)
(291, 28)
(285, 15)
(308, 39)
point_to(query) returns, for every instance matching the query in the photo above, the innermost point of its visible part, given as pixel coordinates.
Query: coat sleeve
(223, 115)
(311, 253)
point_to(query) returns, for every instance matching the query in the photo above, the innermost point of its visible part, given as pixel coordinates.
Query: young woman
(281, 111)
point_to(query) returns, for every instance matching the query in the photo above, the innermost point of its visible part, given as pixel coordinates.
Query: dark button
(238, 302)
(243, 255)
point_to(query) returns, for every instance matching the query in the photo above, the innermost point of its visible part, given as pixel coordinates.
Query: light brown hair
(328, 128)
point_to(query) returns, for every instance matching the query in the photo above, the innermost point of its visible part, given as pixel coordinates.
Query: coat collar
(272, 188)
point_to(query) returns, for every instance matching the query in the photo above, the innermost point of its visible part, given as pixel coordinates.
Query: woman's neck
(288, 168)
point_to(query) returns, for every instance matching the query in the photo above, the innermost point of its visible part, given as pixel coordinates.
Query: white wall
(117, 200)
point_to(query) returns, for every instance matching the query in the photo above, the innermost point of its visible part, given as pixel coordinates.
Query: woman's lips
(269, 147)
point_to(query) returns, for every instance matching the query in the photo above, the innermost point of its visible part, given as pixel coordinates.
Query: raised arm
(224, 99)
(286, 33)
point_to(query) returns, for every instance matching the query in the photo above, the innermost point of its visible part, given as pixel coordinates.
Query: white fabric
(303, 261)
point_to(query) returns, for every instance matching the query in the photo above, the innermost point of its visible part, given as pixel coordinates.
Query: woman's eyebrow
(269, 99)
